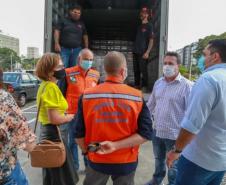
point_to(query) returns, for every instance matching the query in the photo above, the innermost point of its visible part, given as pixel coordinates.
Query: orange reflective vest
(77, 81)
(111, 113)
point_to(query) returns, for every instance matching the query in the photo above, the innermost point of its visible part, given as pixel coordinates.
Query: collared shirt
(14, 133)
(206, 117)
(71, 32)
(167, 104)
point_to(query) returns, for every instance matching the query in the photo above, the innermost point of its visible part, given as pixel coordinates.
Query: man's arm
(57, 40)
(150, 45)
(86, 41)
(143, 134)
(110, 146)
(79, 130)
(201, 101)
(184, 138)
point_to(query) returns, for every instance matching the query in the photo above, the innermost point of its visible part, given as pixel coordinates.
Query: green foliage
(6, 55)
(185, 72)
(202, 43)
(29, 63)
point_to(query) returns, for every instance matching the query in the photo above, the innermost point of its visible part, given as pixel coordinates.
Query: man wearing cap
(142, 48)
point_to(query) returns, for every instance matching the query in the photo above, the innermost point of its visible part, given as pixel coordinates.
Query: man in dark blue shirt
(142, 48)
(70, 35)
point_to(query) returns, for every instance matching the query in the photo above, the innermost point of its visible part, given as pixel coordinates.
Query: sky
(23, 19)
(189, 20)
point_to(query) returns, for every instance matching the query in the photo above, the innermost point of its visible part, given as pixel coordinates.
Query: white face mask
(169, 70)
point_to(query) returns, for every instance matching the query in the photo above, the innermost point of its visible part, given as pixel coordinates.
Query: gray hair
(83, 51)
(113, 62)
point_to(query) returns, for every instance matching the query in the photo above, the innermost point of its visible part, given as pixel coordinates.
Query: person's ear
(121, 71)
(217, 56)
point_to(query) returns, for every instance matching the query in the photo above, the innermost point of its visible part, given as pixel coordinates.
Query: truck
(112, 26)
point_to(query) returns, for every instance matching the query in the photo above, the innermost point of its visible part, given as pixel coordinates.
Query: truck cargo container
(112, 25)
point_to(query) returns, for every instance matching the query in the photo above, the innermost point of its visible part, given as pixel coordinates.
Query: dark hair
(174, 54)
(218, 46)
(76, 6)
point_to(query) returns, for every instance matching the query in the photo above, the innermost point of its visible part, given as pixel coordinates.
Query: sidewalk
(144, 170)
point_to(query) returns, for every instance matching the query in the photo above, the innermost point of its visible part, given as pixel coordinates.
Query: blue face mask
(86, 64)
(201, 63)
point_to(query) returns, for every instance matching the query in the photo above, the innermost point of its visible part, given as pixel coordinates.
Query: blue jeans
(73, 145)
(190, 173)
(160, 149)
(69, 56)
(17, 177)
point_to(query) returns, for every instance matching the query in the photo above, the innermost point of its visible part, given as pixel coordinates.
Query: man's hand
(146, 55)
(171, 157)
(57, 47)
(107, 147)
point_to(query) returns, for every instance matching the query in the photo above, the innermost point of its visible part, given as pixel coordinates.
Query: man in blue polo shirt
(202, 139)
(69, 36)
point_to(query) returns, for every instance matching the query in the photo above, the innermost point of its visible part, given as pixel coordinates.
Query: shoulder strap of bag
(39, 107)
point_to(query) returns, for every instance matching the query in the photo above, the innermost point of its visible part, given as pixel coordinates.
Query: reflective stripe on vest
(74, 73)
(114, 96)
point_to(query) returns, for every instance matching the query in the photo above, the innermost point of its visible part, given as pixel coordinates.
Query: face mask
(59, 74)
(169, 71)
(86, 64)
(201, 63)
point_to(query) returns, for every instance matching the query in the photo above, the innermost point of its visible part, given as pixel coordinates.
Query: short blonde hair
(46, 65)
(113, 62)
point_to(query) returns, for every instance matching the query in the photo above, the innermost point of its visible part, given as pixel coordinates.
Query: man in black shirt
(142, 48)
(70, 35)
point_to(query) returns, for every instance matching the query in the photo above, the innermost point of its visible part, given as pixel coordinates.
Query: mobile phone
(93, 147)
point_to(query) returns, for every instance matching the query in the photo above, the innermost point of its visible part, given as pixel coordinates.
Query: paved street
(144, 171)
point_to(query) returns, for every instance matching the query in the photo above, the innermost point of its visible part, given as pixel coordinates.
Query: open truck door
(112, 25)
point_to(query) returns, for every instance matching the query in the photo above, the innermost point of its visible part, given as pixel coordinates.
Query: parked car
(21, 85)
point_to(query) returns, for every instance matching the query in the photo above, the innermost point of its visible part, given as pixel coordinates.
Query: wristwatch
(175, 150)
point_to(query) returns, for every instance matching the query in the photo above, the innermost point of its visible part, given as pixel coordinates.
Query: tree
(185, 72)
(202, 43)
(8, 56)
(29, 63)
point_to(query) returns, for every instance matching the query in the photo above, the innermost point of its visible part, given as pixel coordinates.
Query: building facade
(187, 54)
(32, 53)
(10, 42)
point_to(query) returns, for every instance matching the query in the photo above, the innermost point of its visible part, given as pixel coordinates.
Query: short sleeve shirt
(71, 32)
(144, 34)
(51, 98)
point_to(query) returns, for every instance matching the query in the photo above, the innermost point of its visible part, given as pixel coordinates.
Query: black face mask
(59, 74)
